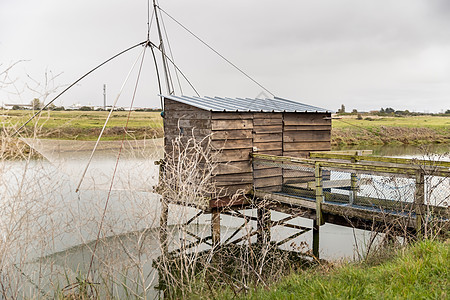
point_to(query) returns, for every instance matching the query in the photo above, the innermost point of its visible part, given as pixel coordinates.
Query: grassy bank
(420, 271)
(416, 130)
(86, 125)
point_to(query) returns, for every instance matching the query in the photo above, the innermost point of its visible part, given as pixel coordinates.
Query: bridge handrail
(361, 166)
(356, 157)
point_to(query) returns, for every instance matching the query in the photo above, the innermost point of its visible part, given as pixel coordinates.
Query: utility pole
(104, 96)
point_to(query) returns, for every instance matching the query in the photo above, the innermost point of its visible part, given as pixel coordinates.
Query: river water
(50, 228)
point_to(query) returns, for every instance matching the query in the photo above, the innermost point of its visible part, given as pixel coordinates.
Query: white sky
(366, 54)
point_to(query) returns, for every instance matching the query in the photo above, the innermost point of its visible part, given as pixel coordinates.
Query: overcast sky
(366, 54)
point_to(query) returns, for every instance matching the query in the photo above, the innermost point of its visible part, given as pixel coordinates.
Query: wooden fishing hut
(236, 128)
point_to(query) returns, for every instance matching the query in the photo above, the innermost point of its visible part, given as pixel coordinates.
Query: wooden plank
(233, 155)
(261, 147)
(192, 114)
(309, 136)
(276, 188)
(231, 116)
(267, 137)
(270, 172)
(306, 119)
(230, 179)
(233, 167)
(173, 131)
(311, 146)
(259, 115)
(267, 129)
(232, 134)
(268, 181)
(186, 142)
(300, 153)
(261, 167)
(231, 124)
(267, 122)
(306, 127)
(271, 152)
(174, 105)
(231, 190)
(193, 123)
(362, 156)
(232, 144)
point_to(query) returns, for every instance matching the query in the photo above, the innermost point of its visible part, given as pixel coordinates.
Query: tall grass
(420, 271)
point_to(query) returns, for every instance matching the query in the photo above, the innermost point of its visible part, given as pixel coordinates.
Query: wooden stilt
(163, 226)
(316, 235)
(264, 220)
(215, 226)
(419, 201)
(319, 218)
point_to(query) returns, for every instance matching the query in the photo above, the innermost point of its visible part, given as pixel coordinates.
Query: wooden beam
(393, 160)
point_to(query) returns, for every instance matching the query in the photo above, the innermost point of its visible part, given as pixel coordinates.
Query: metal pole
(163, 52)
(104, 96)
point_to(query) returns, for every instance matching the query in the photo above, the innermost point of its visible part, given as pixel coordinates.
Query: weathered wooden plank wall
(185, 122)
(231, 137)
(267, 139)
(302, 133)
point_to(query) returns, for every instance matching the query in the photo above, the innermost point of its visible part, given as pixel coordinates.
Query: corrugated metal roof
(247, 104)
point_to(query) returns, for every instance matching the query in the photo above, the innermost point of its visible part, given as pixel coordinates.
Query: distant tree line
(388, 111)
(36, 104)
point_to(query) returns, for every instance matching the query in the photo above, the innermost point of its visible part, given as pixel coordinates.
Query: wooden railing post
(353, 185)
(319, 193)
(319, 218)
(419, 201)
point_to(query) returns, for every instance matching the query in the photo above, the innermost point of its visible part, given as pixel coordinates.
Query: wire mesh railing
(400, 185)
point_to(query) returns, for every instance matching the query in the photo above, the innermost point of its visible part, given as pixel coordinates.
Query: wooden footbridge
(274, 155)
(323, 201)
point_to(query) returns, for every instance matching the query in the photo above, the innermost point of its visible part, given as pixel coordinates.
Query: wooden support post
(215, 226)
(264, 225)
(316, 239)
(163, 229)
(319, 218)
(419, 201)
(319, 193)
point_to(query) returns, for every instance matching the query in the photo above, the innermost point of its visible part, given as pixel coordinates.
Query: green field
(434, 122)
(374, 130)
(85, 125)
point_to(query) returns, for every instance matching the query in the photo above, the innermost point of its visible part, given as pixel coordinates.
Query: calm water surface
(132, 215)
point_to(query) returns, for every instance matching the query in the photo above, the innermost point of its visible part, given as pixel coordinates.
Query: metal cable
(75, 82)
(107, 119)
(176, 67)
(171, 54)
(215, 51)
